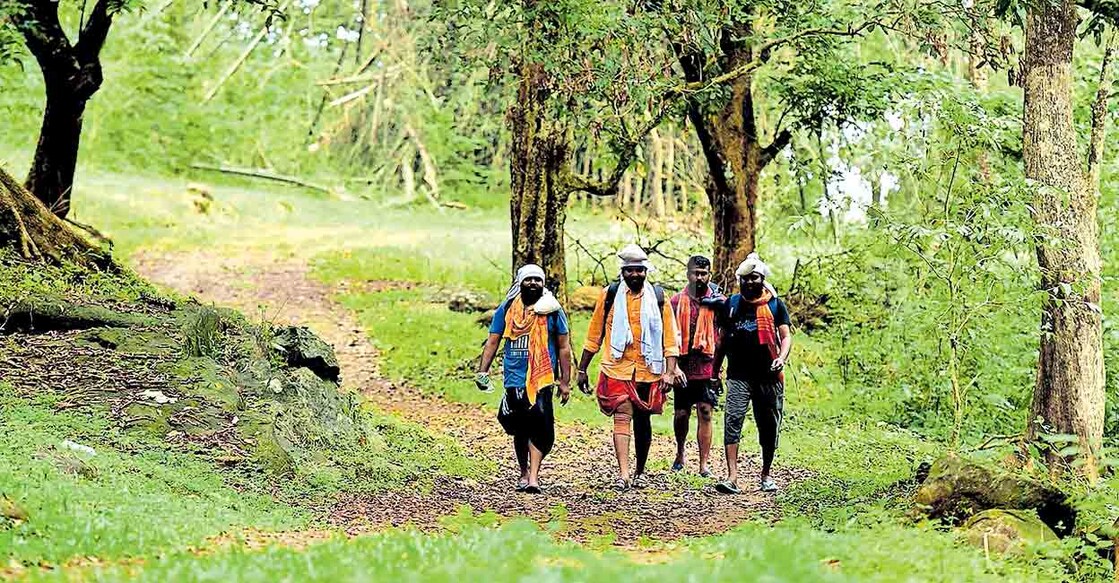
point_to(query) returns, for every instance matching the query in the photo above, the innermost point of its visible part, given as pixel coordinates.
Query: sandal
(530, 489)
(768, 485)
(676, 467)
(521, 485)
(621, 485)
(640, 481)
(726, 487)
(705, 473)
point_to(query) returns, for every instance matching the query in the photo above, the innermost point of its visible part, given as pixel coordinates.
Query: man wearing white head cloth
(639, 367)
(537, 349)
(755, 343)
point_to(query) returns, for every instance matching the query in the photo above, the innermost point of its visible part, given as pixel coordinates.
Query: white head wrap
(633, 256)
(754, 264)
(547, 302)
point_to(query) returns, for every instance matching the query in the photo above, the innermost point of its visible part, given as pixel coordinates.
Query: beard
(635, 283)
(530, 295)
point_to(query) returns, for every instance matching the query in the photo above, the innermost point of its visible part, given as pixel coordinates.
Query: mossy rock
(583, 298)
(301, 348)
(131, 341)
(958, 488)
(1007, 532)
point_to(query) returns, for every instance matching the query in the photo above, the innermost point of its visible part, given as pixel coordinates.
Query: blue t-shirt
(515, 362)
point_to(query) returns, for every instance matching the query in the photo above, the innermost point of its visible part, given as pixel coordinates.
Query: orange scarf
(520, 321)
(767, 329)
(704, 326)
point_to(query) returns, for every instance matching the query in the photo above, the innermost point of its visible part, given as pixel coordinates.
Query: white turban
(753, 264)
(547, 302)
(633, 256)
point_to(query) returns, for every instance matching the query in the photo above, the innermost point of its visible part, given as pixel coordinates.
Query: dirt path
(575, 476)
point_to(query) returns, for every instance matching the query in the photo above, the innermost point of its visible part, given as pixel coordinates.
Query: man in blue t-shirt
(537, 357)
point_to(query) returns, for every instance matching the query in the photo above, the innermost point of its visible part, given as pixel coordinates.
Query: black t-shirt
(748, 359)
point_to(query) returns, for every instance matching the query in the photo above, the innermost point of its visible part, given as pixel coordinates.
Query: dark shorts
(537, 423)
(768, 398)
(695, 392)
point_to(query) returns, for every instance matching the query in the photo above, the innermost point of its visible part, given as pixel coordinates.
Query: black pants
(528, 423)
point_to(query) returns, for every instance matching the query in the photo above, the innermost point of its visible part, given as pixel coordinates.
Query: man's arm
(786, 346)
(581, 374)
(563, 346)
(482, 377)
(591, 346)
(488, 352)
(671, 339)
(720, 354)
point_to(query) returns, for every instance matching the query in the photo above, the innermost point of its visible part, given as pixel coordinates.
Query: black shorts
(695, 392)
(535, 422)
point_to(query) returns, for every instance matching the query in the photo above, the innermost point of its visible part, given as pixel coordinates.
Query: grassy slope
(132, 498)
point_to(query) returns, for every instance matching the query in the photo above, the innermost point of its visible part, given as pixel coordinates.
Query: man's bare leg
(535, 458)
(680, 421)
(622, 432)
(704, 429)
(520, 446)
(732, 462)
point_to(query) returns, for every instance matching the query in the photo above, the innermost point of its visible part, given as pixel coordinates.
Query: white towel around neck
(652, 329)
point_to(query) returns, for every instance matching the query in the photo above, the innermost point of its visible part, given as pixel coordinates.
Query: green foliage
(518, 550)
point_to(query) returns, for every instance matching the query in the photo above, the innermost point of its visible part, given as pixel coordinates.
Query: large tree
(29, 229)
(72, 74)
(779, 62)
(579, 72)
(1069, 396)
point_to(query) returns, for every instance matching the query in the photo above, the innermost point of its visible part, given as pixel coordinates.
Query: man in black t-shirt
(755, 342)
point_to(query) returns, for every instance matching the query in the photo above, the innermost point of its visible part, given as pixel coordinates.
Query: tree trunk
(735, 157)
(51, 178)
(29, 228)
(72, 74)
(1069, 395)
(733, 167)
(538, 160)
(670, 173)
(656, 174)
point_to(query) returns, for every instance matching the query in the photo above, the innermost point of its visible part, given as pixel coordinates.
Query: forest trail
(575, 477)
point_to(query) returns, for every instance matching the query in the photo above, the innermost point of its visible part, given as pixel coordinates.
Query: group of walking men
(651, 345)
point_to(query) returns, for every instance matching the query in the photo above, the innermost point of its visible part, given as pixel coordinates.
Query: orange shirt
(631, 366)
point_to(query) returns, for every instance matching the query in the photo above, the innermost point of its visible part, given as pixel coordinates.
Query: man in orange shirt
(640, 364)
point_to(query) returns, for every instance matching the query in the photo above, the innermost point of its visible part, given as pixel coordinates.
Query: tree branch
(1108, 9)
(779, 142)
(96, 30)
(1099, 114)
(764, 52)
(44, 36)
(628, 151)
(626, 155)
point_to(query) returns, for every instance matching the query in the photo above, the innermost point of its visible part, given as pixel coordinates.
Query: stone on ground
(958, 488)
(302, 348)
(1007, 532)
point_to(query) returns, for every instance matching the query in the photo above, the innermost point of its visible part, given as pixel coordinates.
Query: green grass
(132, 498)
(519, 551)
